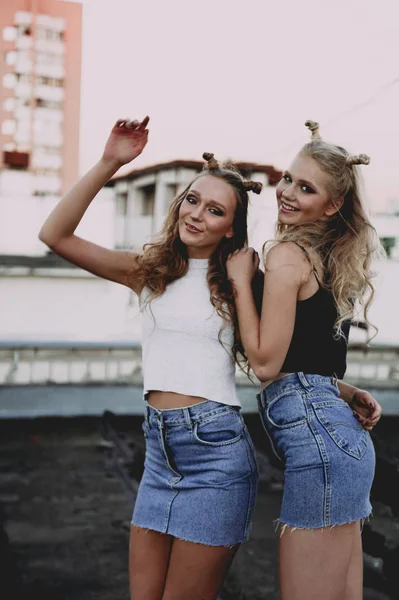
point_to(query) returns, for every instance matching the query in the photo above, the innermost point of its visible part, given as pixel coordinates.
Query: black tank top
(313, 348)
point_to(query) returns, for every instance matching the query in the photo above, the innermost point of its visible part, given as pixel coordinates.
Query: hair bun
(211, 160)
(253, 186)
(313, 126)
(357, 159)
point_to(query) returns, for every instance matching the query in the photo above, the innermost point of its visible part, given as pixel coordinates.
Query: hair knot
(357, 159)
(211, 160)
(314, 128)
(253, 186)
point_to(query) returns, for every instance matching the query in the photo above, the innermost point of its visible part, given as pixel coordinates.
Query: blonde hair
(347, 242)
(166, 259)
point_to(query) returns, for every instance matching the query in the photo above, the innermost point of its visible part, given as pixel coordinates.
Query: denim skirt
(329, 458)
(200, 474)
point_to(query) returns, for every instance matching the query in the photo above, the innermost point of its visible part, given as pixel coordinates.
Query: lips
(191, 228)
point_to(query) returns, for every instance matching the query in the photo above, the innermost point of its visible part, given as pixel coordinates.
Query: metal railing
(69, 362)
(76, 362)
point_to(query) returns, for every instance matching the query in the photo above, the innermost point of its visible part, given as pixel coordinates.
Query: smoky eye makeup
(304, 185)
(216, 211)
(307, 189)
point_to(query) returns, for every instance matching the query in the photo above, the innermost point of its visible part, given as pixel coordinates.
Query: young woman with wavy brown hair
(317, 274)
(196, 496)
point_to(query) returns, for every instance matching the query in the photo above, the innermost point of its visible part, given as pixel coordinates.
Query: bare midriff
(167, 400)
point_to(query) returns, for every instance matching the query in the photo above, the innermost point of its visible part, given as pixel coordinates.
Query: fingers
(144, 123)
(375, 413)
(366, 422)
(133, 124)
(246, 251)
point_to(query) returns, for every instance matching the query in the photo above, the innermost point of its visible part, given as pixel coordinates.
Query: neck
(199, 253)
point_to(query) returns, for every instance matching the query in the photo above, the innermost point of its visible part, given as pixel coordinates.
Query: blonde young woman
(314, 275)
(196, 496)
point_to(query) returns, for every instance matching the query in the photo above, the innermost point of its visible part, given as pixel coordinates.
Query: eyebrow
(209, 202)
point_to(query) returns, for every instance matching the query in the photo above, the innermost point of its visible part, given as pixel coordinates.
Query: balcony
(50, 93)
(23, 67)
(50, 47)
(22, 17)
(48, 70)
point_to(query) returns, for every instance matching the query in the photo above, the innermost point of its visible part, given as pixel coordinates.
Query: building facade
(143, 196)
(40, 72)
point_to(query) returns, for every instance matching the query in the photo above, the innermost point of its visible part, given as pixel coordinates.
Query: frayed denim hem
(291, 528)
(227, 546)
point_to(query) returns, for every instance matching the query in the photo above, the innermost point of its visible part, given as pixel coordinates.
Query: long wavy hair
(165, 259)
(347, 242)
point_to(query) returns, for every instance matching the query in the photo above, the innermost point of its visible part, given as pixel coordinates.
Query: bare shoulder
(285, 253)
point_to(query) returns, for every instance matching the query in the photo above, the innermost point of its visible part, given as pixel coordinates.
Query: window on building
(171, 193)
(52, 81)
(48, 103)
(389, 244)
(22, 17)
(24, 30)
(10, 58)
(50, 35)
(148, 200)
(9, 104)
(47, 172)
(9, 34)
(22, 102)
(23, 78)
(8, 127)
(9, 81)
(45, 58)
(43, 193)
(121, 204)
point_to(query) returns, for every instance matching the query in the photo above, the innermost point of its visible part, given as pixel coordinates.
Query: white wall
(22, 215)
(84, 308)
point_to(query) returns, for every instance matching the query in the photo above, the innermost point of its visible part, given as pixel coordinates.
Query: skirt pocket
(220, 430)
(337, 419)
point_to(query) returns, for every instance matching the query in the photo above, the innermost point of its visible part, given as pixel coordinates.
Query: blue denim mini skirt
(200, 474)
(329, 458)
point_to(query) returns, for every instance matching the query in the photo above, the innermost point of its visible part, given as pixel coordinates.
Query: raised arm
(266, 340)
(126, 141)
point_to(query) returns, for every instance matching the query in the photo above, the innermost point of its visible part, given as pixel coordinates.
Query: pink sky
(240, 78)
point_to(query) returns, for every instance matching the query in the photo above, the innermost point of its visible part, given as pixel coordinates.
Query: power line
(352, 109)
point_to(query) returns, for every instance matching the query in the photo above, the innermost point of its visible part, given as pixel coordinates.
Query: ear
(334, 207)
(230, 233)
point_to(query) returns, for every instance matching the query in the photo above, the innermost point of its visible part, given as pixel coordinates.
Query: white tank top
(187, 346)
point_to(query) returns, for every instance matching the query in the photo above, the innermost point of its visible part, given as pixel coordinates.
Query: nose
(196, 213)
(289, 192)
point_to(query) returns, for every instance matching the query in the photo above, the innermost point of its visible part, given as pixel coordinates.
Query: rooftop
(273, 174)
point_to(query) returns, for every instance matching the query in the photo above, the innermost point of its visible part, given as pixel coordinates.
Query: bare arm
(126, 142)
(266, 340)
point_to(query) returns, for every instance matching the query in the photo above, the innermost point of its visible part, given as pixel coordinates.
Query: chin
(286, 220)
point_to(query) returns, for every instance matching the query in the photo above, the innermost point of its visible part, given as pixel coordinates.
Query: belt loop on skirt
(187, 418)
(147, 416)
(334, 379)
(303, 380)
